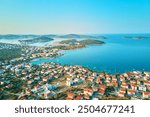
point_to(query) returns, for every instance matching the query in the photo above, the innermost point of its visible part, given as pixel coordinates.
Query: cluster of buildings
(28, 54)
(9, 46)
(55, 81)
(130, 85)
(42, 52)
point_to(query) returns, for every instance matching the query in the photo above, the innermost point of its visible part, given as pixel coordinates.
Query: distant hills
(53, 36)
(36, 40)
(69, 36)
(14, 36)
(32, 39)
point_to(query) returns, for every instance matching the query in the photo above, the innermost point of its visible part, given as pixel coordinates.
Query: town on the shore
(21, 80)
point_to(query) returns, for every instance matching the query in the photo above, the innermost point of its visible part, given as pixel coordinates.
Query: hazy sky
(74, 16)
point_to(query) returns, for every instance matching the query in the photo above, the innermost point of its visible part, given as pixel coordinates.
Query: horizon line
(64, 33)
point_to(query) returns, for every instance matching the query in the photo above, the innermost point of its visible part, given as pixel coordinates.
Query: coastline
(53, 81)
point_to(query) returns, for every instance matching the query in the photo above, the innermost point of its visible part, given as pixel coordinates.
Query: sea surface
(117, 55)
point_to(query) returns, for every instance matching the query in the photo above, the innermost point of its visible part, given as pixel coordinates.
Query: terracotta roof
(131, 91)
(121, 93)
(68, 98)
(102, 87)
(133, 85)
(78, 98)
(147, 82)
(70, 95)
(146, 93)
(102, 91)
(124, 84)
(88, 90)
(122, 89)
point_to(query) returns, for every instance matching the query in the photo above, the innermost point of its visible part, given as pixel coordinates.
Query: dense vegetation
(90, 41)
(83, 42)
(71, 41)
(74, 44)
(8, 54)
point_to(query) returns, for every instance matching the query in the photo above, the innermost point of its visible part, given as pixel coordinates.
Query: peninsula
(75, 44)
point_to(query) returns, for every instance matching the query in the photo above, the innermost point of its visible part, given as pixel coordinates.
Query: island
(36, 40)
(72, 36)
(90, 41)
(136, 37)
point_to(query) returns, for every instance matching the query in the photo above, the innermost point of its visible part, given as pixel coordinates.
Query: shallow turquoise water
(118, 55)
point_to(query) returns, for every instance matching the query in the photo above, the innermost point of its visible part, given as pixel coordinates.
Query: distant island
(69, 36)
(15, 36)
(30, 39)
(136, 37)
(36, 40)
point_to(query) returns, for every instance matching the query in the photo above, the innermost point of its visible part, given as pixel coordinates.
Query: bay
(117, 55)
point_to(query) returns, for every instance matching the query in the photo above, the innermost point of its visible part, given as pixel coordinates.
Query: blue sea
(117, 55)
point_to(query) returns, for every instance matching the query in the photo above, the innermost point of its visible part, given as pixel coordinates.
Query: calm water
(118, 55)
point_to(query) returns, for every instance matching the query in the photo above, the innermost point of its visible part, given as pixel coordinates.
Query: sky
(74, 16)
